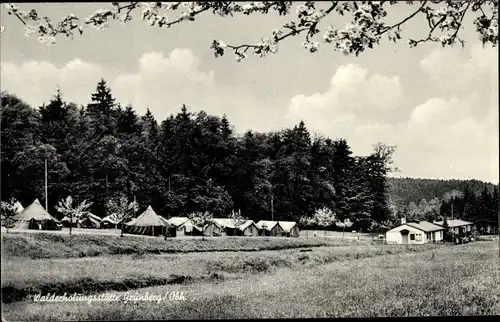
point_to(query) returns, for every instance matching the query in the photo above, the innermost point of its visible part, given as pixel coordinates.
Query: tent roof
(18, 207)
(287, 225)
(149, 218)
(36, 211)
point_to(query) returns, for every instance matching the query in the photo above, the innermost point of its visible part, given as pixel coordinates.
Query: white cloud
(36, 82)
(164, 83)
(356, 102)
(159, 82)
(454, 134)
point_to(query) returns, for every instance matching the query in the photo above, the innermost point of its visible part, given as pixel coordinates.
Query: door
(404, 236)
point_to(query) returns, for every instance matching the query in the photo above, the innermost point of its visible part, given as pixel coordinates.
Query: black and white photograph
(249, 160)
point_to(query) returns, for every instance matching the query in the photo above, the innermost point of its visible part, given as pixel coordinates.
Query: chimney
(403, 220)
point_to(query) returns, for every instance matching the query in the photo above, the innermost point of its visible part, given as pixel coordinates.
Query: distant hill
(405, 190)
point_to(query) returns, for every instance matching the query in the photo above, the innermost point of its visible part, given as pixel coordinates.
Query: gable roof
(149, 218)
(425, 226)
(34, 211)
(268, 223)
(247, 224)
(224, 222)
(85, 215)
(287, 225)
(91, 215)
(178, 221)
(454, 223)
(111, 219)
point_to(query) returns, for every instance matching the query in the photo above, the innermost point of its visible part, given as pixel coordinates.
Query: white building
(415, 233)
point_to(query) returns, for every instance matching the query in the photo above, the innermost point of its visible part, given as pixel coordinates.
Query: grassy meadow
(342, 280)
(56, 245)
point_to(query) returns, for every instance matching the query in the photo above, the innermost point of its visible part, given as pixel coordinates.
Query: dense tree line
(403, 191)
(188, 162)
(480, 208)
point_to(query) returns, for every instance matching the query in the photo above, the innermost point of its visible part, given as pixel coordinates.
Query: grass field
(356, 280)
(55, 245)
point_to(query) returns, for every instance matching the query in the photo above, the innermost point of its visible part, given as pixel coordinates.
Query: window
(419, 237)
(412, 236)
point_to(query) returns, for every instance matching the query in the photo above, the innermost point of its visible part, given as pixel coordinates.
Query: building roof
(34, 211)
(224, 222)
(178, 221)
(111, 219)
(247, 224)
(269, 225)
(91, 215)
(287, 225)
(454, 223)
(149, 218)
(424, 226)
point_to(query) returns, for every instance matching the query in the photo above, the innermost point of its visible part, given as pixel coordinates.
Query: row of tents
(152, 224)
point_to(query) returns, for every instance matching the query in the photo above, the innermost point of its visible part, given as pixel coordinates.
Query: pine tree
(102, 109)
(226, 127)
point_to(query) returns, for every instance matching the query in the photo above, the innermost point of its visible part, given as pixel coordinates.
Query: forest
(193, 161)
(187, 162)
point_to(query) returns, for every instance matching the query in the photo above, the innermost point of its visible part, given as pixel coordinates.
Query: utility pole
(452, 228)
(106, 184)
(46, 193)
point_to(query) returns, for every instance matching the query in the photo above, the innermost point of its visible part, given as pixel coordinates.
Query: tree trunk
(343, 230)
(70, 224)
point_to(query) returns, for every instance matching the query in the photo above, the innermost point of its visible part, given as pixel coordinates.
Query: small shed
(269, 228)
(290, 228)
(249, 228)
(184, 226)
(213, 229)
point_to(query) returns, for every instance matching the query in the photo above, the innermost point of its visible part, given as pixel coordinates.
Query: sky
(439, 106)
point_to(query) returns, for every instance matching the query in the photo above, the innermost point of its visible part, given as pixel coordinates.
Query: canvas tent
(87, 220)
(35, 217)
(148, 223)
(110, 221)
